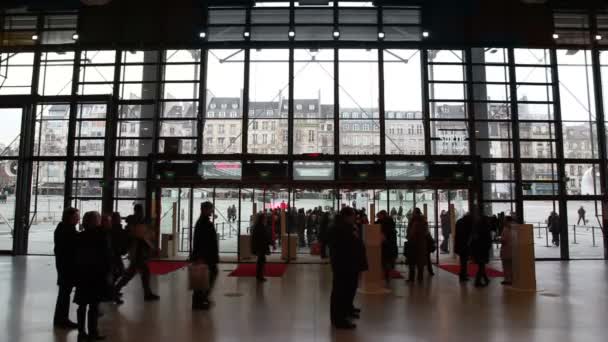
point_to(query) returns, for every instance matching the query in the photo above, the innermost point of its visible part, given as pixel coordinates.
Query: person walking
(581, 216)
(65, 239)
(346, 256)
(464, 227)
(446, 231)
(418, 244)
(481, 243)
(205, 250)
(506, 251)
(390, 250)
(554, 227)
(260, 245)
(93, 266)
(141, 248)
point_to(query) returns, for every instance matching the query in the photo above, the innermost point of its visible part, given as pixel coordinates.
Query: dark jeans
(555, 238)
(260, 266)
(201, 297)
(445, 243)
(93, 316)
(413, 267)
(62, 308)
(464, 265)
(481, 276)
(130, 273)
(343, 291)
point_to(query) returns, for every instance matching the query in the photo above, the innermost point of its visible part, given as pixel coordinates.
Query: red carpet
(396, 274)
(248, 270)
(164, 267)
(472, 270)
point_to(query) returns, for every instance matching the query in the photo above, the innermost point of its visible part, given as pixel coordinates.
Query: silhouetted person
(120, 245)
(464, 227)
(481, 243)
(260, 245)
(205, 250)
(65, 239)
(141, 249)
(418, 244)
(346, 262)
(324, 233)
(554, 227)
(446, 231)
(301, 222)
(581, 216)
(93, 265)
(390, 250)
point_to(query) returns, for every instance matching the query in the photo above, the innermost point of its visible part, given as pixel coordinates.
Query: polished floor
(571, 306)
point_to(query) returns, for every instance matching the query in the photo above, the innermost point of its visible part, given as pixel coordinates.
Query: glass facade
(96, 122)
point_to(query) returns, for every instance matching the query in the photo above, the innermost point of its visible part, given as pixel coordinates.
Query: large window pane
(313, 102)
(403, 102)
(268, 91)
(359, 125)
(223, 118)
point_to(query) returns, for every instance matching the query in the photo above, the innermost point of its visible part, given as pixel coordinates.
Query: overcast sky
(314, 76)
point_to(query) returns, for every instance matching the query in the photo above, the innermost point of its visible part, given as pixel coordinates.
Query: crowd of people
(91, 262)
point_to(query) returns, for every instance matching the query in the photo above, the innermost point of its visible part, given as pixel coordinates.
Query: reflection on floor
(571, 307)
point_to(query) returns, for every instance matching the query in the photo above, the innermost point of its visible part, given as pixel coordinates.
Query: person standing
(418, 245)
(581, 216)
(481, 243)
(464, 227)
(260, 245)
(324, 234)
(554, 227)
(205, 250)
(446, 231)
(65, 239)
(506, 251)
(139, 255)
(346, 257)
(390, 250)
(301, 222)
(93, 266)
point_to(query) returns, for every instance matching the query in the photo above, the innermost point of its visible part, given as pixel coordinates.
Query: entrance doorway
(305, 209)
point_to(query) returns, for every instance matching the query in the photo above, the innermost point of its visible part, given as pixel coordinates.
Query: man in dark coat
(141, 250)
(390, 250)
(481, 243)
(446, 230)
(205, 250)
(65, 239)
(260, 244)
(346, 262)
(464, 227)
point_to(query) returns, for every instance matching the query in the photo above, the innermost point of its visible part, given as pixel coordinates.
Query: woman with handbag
(260, 244)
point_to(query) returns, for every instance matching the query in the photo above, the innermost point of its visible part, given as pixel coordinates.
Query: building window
(220, 141)
(235, 105)
(269, 112)
(255, 139)
(232, 129)
(299, 107)
(273, 125)
(311, 107)
(273, 138)
(264, 138)
(255, 125)
(311, 136)
(212, 106)
(222, 115)
(265, 125)
(232, 141)
(220, 129)
(233, 114)
(224, 106)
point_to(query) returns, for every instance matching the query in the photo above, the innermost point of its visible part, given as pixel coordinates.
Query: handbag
(198, 277)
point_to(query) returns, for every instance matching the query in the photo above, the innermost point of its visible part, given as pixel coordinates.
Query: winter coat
(462, 241)
(418, 241)
(481, 242)
(205, 244)
(93, 264)
(66, 239)
(260, 240)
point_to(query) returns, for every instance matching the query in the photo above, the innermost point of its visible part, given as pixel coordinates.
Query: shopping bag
(198, 277)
